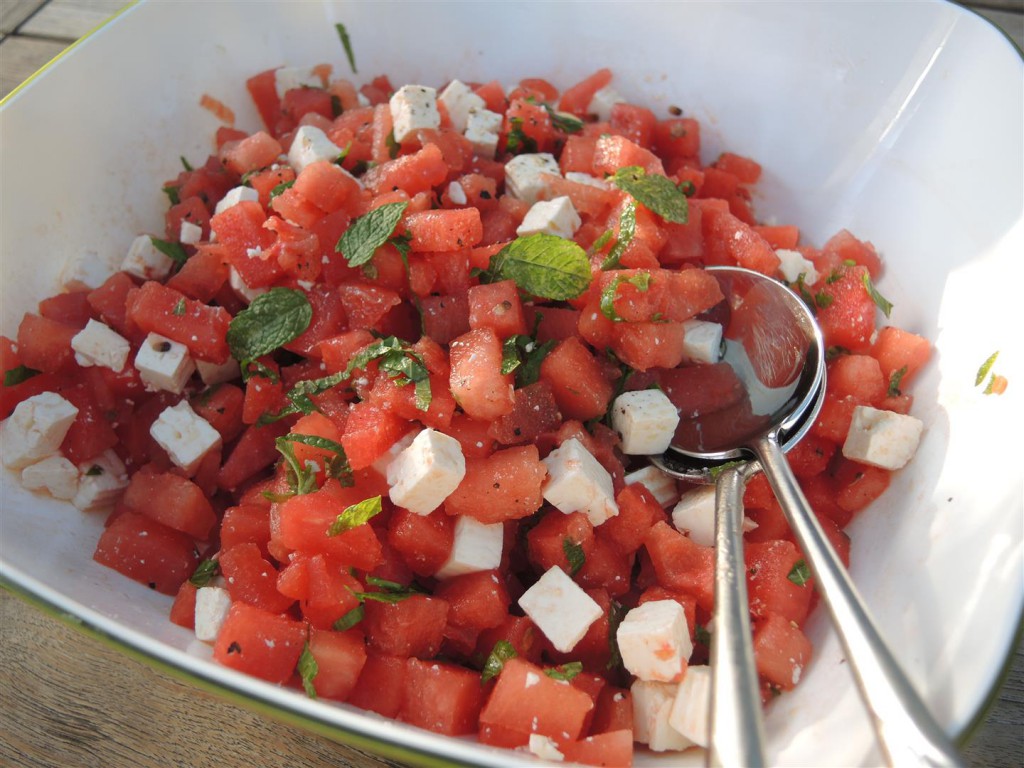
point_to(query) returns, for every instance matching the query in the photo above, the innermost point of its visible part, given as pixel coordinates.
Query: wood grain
(70, 19)
(14, 12)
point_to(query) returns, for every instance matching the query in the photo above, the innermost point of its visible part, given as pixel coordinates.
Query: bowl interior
(900, 122)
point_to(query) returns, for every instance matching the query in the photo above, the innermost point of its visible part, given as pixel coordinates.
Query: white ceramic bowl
(899, 121)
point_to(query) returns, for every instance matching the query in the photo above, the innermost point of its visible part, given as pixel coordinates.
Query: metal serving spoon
(776, 353)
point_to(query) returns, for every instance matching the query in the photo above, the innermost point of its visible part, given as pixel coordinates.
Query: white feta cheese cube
(882, 438)
(100, 482)
(578, 483)
(146, 261)
(459, 99)
(413, 108)
(457, 194)
(661, 485)
(218, 373)
(702, 341)
(189, 233)
(309, 146)
(382, 464)
(212, 606)
(560, 609)
(586, 178)
(694, 515)
(243, 291)
(524, 175)
(691, 710)
(164, 364)
(54, 474)
(423, 475)
(87, 270)
(185, 436)
(794, 264)
(476, 547)
(362, 99)
(654, 641)
(289, 78)
(97, 344)
(234, 196)
(646, 420)
(482, 129)
(602, 102)
(652, 706)
(553, 217)
(545, 747)
(36, 429)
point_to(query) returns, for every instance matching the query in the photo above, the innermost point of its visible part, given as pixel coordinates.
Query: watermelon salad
(374, 407)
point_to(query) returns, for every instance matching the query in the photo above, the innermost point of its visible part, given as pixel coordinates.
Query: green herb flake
(616, 613)
(574, 555)
(272, 320)
(19, 374)
(517, 142)
(800, 574)
(174, 251)
(978, 379)
(355, 515)
(369, 232)
(179, 308)
(503, 651)
(602, 241)
(641, 281)
(835, 351)
(654, 192)
(715, 471)
(880, 301)
(172, 194)
(533, 355)
(307, 669)
(565, 672)
(543, 265)
(204, 573)
(337, 466)
(185, 163)
(702, 636)
(350, 619)
(280, 188)
(894, 382)
(627, 231)
(563, 121)
(336, 108)
(823, 300)
(392, 145)
(510, 354)
(397, 359)
(301, 477)
(346, 43)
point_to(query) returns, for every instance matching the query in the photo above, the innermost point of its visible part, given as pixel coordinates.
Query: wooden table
(66, 699)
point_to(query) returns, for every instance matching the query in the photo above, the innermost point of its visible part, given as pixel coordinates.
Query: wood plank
(70, 19)
(21, 57)
(14, 12)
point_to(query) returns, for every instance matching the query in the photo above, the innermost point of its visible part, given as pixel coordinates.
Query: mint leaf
(369, 232)
(174, 251)
(355, 515)
(392, 145)
(185, 163)
(642, 280)
(800, 574)
(529, 372)
(301, 477)
(277, 190)
(347, 44)
(601, 242)
(574, 555)
(823, 300)
(337, 467)
(308, 669)
(390, 591)
(880, 301)
(510, 354)
(272, 320)
(17, 375)
(543, 265)
(566, 671)
(350, 619)
(179, 308)
(503, 651)
(894, 382)
(627, 230)
(702, 636)
(978, 379)
(518, 142)
(172, 194)
(204, 573)
(563, 121)
(653, 191)
(401, 364)
(616, 613)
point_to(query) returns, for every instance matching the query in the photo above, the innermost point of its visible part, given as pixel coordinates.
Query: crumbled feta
(36, 429)
(553, 217)
(793, 264)
(661, 485)
(646, 420)
(578, 483)
(691, 710)
(524, 175)
(457, 194)
(654, 641)
(234, 196)
(189, 233)
(212, 606)
(482, 130)
(54, 474)
(545, 748)
(185, 436)
(413, 107)
(423, 475)
(218, 373)
(702, 341)
(240, 288)
(586, 178)
(459, 100)
(146, 261)
(694, 515)
(100, 482)
(476, 547)
(560, 609)
(652, 706)
(289, 78)
(602, 102)
(85, 271)
(97, 344)
(309, 146)
(164, 364)
(882, 438)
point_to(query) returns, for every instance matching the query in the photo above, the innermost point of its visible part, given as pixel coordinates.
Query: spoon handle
(736, 731)
(908, 734)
